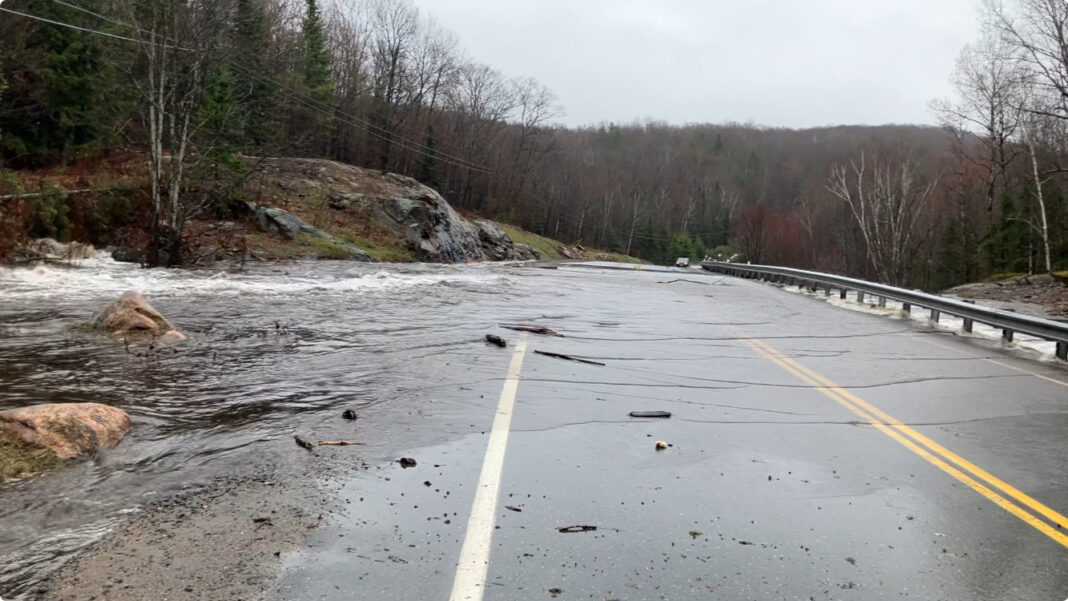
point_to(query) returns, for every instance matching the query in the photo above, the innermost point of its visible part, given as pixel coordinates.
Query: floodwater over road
(814, 452)
(272, 351)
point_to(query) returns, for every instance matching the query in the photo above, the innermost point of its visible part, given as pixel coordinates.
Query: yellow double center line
(963, 470)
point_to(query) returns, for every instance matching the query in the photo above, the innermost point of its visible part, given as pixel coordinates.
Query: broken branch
(568, 357)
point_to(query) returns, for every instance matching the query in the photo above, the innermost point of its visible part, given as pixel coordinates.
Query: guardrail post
(826, 291)
(882, 301)
(860, 296)
(842, 293)
(935, 313)
(1062, 351)
(967, 325)
(906, 308)
(1006, 335)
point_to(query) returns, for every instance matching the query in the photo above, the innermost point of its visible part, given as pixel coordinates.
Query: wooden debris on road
(568, 357)
(650, 414)
(577, 528)
(335, 443)
(493, 339)
(303, 443)
(534, 330)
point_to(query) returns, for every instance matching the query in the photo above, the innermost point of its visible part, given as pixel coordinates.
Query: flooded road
(779, 483)
(272, 352)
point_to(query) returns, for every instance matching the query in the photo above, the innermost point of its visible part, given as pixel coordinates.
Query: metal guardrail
(1007, 321)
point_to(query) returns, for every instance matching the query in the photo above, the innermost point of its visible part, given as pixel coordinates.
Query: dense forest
(198, 87)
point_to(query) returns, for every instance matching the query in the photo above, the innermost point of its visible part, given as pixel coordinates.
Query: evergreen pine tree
(62, 103)
(430, 172)
(253, 88)
(317, 70)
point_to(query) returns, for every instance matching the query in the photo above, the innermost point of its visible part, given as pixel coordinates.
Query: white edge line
(473, 565)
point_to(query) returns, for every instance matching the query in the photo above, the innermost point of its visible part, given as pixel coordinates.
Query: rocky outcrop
(131, 317)
(68, 429)
(387, 202)
(293, 228)
(285, 223)
(497, 246)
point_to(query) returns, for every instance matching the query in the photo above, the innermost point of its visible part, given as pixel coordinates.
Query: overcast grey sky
(794, 63)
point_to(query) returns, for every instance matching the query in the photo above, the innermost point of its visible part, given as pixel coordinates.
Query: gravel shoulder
(1039, 295)
(223, 543)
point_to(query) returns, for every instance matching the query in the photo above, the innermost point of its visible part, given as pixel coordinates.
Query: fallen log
(568, 357)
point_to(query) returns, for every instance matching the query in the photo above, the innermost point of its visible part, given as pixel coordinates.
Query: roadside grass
(617, 257)
(549, 248)
(391, 250)
(272, 247)
(19, 458)
(1002, 276)
(325, 248)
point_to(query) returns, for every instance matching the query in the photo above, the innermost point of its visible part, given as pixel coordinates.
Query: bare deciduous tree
(886, 200)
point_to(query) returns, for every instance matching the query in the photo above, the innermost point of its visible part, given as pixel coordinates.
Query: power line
(61, 24)
(361, 124)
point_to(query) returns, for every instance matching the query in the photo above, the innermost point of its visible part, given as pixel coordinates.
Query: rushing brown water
(272, 350)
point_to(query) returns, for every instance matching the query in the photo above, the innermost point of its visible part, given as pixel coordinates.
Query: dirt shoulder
(1042, 291)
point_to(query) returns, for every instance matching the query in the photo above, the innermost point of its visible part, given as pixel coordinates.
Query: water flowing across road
(272, 349)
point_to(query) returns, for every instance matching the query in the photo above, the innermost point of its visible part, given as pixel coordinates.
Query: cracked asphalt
(815, 453)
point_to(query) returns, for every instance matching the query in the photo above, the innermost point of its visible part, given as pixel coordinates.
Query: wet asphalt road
(776, 486)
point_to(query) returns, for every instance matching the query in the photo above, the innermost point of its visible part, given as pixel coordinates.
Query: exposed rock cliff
(326, 199)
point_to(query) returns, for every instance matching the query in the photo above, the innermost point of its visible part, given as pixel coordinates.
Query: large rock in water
(69, 429)
(132, 316)
(399, 205)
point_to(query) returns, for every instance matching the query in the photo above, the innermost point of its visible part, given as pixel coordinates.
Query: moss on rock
(19, 459)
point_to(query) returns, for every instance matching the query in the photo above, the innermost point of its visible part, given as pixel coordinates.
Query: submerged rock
(125, 254)
(132, 316)
(68, 429)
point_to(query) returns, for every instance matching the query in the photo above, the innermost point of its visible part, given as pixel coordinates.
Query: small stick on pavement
(568, 357)
(687, 281)
(578, 528)
(534, 330)
(492, 339)
(336, 443)
(650, 414)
